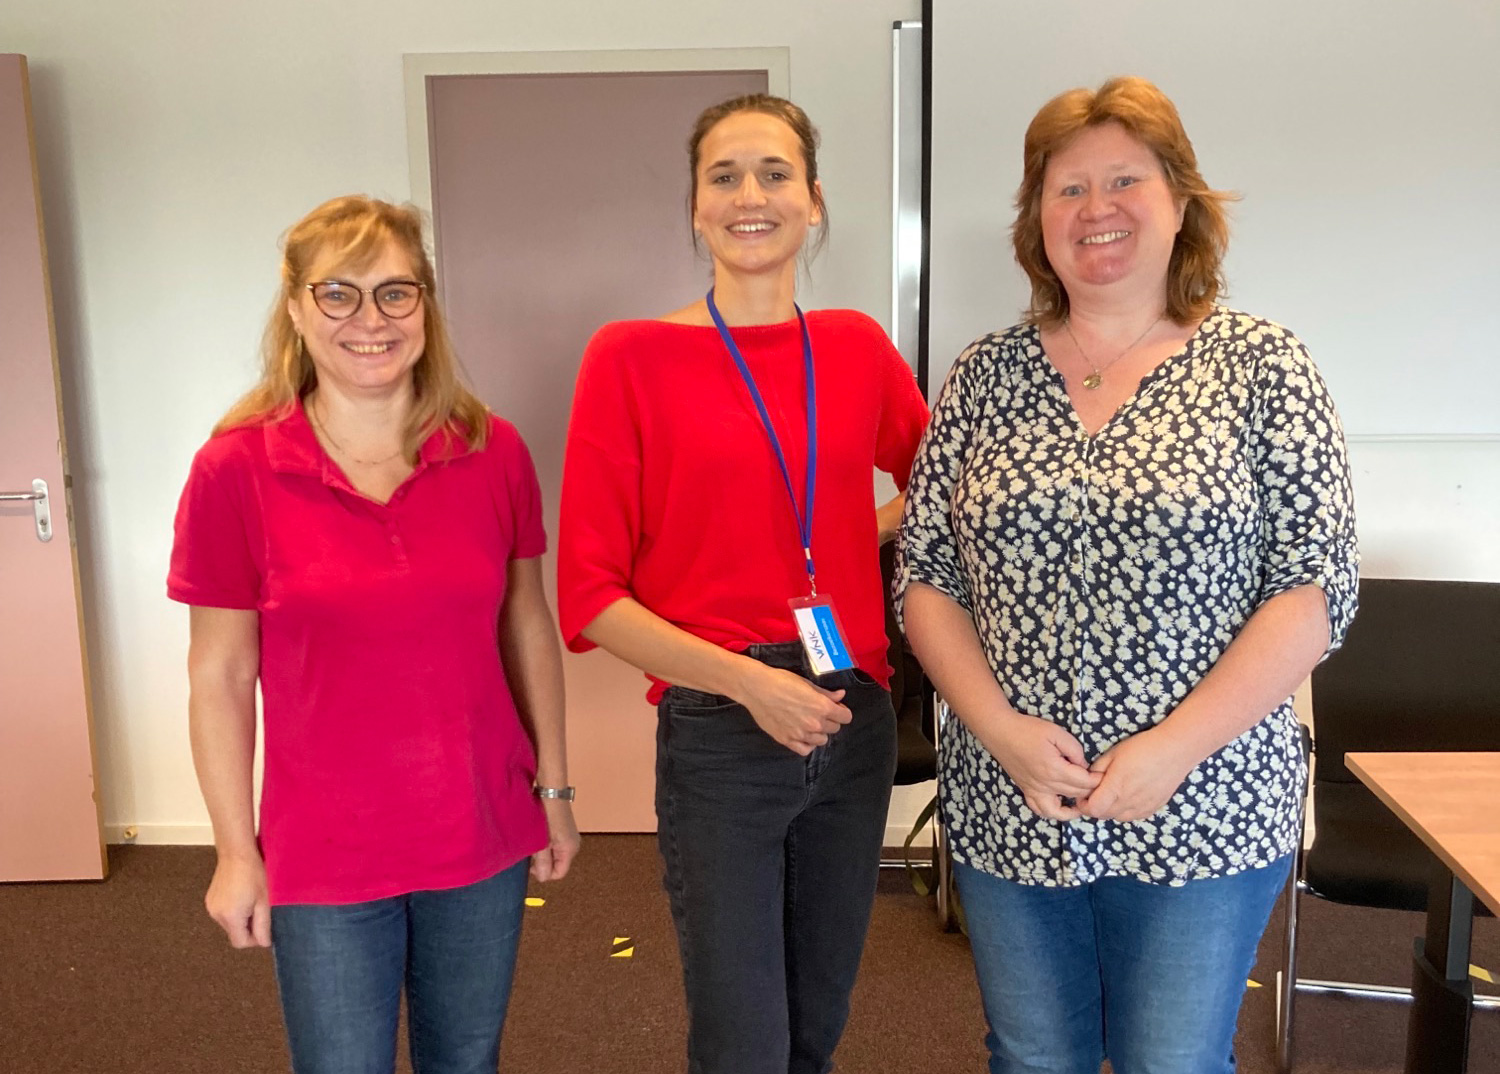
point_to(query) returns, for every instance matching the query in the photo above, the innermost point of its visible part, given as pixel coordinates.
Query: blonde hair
(353, 231)
(1195, 274)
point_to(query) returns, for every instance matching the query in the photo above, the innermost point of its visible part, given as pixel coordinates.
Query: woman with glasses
(363, 539)
(717, 507)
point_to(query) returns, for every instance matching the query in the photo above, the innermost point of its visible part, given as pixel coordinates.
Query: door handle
(39, 507)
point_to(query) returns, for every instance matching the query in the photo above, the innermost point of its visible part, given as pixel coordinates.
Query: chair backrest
(911, 693)
(896, 641)
(1419, 671)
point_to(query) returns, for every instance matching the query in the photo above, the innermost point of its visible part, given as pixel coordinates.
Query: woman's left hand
(1140, 774)
(554, 861)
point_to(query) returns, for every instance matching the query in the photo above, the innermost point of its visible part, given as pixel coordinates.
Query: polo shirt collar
(292, 448)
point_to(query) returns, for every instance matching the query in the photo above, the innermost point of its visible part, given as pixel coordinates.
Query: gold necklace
(342, 450)
(1096, 378)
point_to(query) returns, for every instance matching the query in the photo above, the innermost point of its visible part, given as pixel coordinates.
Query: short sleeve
(903, 415)
(1302, 473)
(212, 565)
(927, 546)
(523, 492)
(600, 518)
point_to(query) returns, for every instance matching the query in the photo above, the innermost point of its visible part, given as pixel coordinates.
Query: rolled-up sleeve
(927, 546)
(1301, 468)
(599, 527)
(903, 415)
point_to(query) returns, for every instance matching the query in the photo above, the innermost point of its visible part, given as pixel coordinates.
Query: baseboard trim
(160, 835)
(157, 835)
(895, 835)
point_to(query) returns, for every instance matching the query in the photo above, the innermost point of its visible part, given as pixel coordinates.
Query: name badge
(822, 635)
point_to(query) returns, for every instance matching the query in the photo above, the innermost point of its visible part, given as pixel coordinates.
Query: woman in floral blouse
(1129, 536)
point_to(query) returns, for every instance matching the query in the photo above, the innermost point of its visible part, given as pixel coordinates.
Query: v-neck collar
(1059, 383)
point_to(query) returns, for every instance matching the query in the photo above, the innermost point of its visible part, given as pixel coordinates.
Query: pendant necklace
(1096, 378)
(342, 450)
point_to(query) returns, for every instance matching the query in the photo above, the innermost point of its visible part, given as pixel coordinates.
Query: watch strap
(566, 794)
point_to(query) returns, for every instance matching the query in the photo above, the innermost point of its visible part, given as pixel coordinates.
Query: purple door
(560, 203)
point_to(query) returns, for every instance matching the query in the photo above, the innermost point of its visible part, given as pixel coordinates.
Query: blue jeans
(341, 970)
(771, 861)
(1149, 975)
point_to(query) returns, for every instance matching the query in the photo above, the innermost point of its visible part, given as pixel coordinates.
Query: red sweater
(672, 495)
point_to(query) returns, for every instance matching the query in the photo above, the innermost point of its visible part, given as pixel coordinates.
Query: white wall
(1428, 508)
(1363, 140)
(1361, 136)
(177, 140)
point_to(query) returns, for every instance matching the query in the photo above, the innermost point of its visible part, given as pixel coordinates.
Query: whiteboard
(1364, 140)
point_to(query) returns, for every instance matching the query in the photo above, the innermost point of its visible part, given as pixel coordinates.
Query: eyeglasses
(339, 300)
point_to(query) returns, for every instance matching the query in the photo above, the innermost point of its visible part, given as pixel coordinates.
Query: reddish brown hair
(1195, 276)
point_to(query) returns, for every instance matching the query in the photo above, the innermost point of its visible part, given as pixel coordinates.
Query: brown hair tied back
(1195, 275)
(765, 104)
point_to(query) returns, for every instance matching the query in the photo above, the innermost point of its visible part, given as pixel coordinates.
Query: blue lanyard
(804, 521)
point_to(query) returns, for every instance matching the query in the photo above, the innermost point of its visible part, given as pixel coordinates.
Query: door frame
(624, 805)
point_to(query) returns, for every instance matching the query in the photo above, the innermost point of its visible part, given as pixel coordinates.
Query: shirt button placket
(394, 531)
(1077, 501)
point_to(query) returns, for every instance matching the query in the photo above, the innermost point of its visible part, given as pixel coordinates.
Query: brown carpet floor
(130, 975)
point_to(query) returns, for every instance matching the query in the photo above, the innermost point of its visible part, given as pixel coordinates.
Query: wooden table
(1452, 801)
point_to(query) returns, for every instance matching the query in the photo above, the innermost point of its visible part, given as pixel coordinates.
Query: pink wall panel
(49, 820)
(560, 204)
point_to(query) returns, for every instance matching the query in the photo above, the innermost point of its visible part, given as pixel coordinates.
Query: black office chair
(916, 736)
(1419, 672)
(916, 754)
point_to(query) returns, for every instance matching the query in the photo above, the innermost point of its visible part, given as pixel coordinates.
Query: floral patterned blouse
(1107, 573)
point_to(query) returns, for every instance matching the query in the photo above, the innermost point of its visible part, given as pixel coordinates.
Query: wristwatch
(567, 794)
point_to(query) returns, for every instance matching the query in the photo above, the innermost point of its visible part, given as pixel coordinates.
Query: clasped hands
(1131, 780)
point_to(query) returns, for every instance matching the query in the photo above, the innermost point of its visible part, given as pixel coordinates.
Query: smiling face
(1108, 215)
(368, 353)
(754, 203)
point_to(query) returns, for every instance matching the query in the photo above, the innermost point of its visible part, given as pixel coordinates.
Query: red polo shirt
(394, 757)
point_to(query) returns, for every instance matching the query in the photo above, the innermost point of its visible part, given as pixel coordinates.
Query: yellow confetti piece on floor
(1253, 984)
(1479, 973)
(536, 902)
(622, 948)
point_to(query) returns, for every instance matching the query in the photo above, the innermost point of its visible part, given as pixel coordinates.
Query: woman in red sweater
(717, 508)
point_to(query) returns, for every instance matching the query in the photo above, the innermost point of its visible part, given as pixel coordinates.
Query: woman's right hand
(237, 900)
(1044, 760)
(793, 711)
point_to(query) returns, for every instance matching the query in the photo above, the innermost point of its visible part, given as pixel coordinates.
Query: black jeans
(771, 862)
